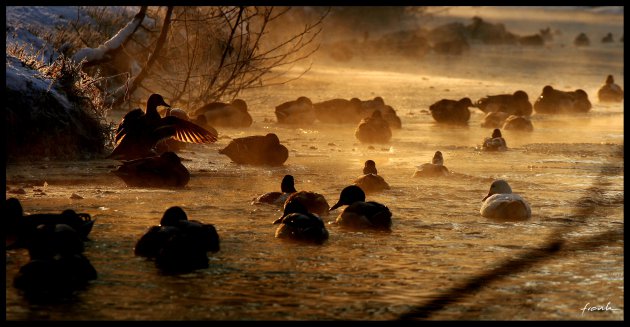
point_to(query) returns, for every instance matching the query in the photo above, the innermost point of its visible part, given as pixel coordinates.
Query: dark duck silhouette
(451, 111)
(494, 143)
(287, 187)
(19, 228)
(219, 114)
(165, 170)
(370, 181)
(514, 104)
(435, 168)
(553, 101)
(139, 132)
(360, 214)
(339, 111)
(257, 150)
(373, 129)
(57, 266)
(610, 92)
(312, 201)
(178, 245)
(300, 112)
(298, 224)
(518, 123)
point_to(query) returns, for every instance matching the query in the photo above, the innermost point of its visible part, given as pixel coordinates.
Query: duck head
(240, 104)
(547, 90)
(291, 207)
(610, 80)
(499, 186)
(496, 133)
(288, 184)
(172, 216)
(156, 100)
(349, 195)
(520, 96)
(272, 138)
(438, 159)
(370, 167)
(466, 102)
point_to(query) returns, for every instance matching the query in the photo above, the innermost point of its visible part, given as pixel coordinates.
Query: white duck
(501, 203)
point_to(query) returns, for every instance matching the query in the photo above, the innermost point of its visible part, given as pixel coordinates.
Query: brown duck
(139, 132)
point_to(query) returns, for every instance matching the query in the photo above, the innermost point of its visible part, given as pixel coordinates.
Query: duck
(298, 224)
(339, 111)
(451, 111)
(219, 114)
(57, 266)
(165, 170)
(608, 38)
(313, 202)
(373, 129)
(516, 103)
(139, 132)
(518, 123)
(581, 40)
(495, 143)
(494, 119)
(502, 204)
(610, 92)
(359, 214)
(19, 228)
(435, 168)
(553, 101)
(300, 112)
(287, 187)
(178, 244)
(257, 150)
(387, 112)
(370, 181)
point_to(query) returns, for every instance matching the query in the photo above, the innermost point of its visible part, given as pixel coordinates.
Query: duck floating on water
(518, 123)
(298, 224)
(257, 150)
(139, 132)
(610, 92)
(219, 114)
(298, 112)
(451, 111)
(435, 168)
(553, 101)
(178, 244)
(512, 104)
(165, 170)
(373, 129)
(494, 143)
(287, 187)
(339, 111)
(502, 204)
(370, 181)
(360, 214)
(19, 228)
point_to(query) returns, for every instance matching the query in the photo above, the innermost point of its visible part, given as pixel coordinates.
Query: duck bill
(337, 205)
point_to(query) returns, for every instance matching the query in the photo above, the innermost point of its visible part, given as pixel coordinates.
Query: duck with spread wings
(139, 132)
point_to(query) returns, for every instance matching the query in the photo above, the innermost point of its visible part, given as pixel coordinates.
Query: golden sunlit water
(439, 239)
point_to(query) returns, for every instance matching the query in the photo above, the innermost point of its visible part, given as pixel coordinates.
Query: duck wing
(131, 121)
(185, 131)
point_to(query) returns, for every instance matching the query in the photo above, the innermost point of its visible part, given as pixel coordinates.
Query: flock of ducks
(177, 244)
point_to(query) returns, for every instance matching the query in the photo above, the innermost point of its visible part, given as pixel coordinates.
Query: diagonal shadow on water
(555, 247)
